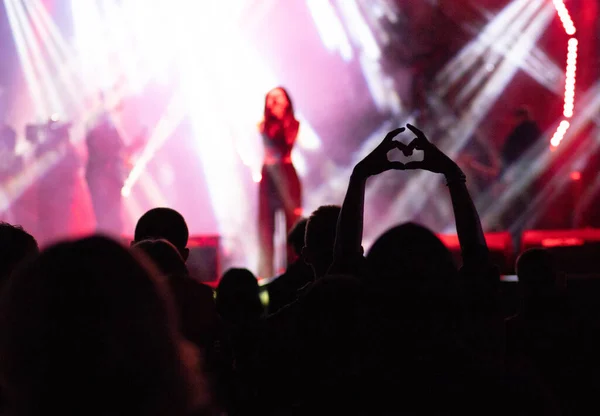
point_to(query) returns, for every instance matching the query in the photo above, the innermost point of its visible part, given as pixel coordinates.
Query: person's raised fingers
(399, 145)
(416, 131)
(417, 143)
(390, 136)
(406, 150)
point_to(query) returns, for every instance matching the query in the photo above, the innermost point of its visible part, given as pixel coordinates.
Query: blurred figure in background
(522, 138)
(105, 173)
(59, 169)
(10, 164)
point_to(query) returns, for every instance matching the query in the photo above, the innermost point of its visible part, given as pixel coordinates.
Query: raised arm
(348, 249)
(468, 226)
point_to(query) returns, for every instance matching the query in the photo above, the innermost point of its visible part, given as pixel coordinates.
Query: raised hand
(434, 160)
(377, 161)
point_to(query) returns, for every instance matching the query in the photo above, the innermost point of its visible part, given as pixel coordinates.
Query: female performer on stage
(279, 187)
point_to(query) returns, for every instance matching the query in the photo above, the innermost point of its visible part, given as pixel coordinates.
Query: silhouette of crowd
(91, 327)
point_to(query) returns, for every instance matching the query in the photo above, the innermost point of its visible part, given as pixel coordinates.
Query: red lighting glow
(575, 176)
(562, 242)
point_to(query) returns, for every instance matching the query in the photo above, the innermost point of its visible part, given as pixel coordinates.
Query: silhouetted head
(319, 238)
(295, 238)
(164, 255)
(278, 104)
(88, 328)
(238, 299)
(16, 245)
(166, 224)
(411, 254)
(537, 273)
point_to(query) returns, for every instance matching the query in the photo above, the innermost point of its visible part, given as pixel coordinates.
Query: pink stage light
(571, 69)
(565, 17)
(560, 132)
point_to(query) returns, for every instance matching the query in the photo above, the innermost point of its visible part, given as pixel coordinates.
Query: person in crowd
(448, 319)
(16, 245)
(238, 300)
(320, 238)
(158, 232)
(164, 223)
(198, 318)
(89, 328)
(283, 290)
(239, 305)
(195, 302)
(541, 336)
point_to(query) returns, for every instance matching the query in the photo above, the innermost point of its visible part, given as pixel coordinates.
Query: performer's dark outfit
(279, 187)
(105, 175)
(520, 141)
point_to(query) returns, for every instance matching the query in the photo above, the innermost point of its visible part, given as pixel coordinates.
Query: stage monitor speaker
(500, 245)
(577, 252)
(204, 261)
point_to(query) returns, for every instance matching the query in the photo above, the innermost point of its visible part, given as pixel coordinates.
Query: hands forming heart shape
(377, 161)
(405, 151)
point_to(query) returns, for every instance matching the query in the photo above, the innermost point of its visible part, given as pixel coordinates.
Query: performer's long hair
(270, 116)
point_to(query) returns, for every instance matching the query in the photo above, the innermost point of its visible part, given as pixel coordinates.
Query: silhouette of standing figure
(522, 138)
(105, 173)
(10, 165)
(279, 188)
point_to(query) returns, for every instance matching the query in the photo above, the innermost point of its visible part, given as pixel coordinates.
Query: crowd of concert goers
(92, 327)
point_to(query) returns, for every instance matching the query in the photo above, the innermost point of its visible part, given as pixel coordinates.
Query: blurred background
(187, 79)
